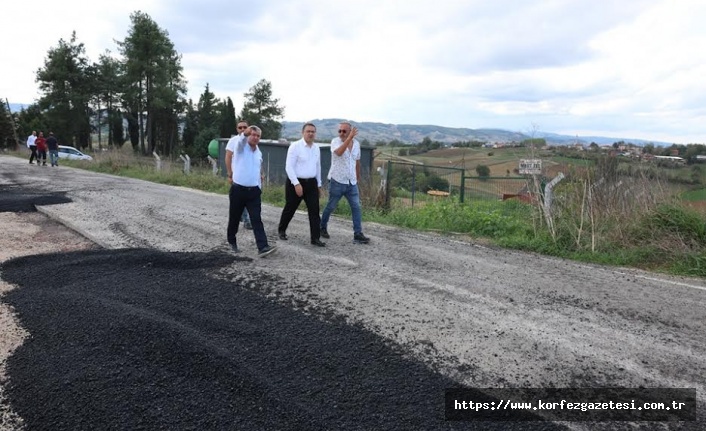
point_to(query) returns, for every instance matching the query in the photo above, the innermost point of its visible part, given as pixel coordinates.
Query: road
(469, 315)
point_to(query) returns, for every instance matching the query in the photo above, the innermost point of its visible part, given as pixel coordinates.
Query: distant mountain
(557, 139)
(327, 129)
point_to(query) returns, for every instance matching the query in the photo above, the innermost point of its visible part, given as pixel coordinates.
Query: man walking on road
(32, 146)
(53, 146)
(343, 179)
(41, 143)
(245, 217)
(244, 164)
(303, 168)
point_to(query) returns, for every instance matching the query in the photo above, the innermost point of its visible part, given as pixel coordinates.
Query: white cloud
(631, 69)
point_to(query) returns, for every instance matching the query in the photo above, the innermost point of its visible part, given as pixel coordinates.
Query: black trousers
(33, 149)
(310, 197)
(242, 198)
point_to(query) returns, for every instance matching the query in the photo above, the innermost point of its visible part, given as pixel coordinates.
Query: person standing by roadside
(41, 149)
(244, 164)
(53, 147)
(303, 169)
(242, 126)
(343, 180)
(32, 146)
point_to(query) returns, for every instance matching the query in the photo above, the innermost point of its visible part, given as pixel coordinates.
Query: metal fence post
(414, 178)
(463, 185)
(214, 165)
(187, 163)
(387, 184)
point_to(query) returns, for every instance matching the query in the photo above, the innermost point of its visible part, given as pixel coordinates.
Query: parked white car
(72, 153)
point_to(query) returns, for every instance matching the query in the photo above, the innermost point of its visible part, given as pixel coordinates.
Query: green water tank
(213, 148)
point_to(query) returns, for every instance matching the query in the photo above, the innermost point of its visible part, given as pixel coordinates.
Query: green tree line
(138, 97)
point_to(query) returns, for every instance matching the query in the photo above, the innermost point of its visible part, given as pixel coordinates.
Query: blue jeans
(336, 192)
(54, 157)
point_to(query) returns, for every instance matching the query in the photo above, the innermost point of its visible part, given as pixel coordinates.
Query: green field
(694, 195)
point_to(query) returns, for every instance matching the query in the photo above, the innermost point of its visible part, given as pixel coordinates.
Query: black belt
(301, 180)
(238, 186)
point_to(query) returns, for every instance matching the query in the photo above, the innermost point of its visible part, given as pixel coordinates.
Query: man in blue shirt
(244, 164)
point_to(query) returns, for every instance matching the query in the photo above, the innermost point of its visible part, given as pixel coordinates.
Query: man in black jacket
(53, 146)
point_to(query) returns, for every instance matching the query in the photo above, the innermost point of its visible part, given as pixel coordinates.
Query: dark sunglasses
(342, 131)
(242, 127)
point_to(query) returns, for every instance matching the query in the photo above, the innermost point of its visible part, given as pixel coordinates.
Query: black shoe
(266, 250)
(324, 233)
(318, 243)
(282, 236)
(44, 164)
(234, 248)
(360, 238)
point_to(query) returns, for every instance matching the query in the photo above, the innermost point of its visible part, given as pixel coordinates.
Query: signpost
(531, 167)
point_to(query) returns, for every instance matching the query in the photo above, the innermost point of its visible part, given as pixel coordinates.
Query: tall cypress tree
(228, 123)
(7, 132)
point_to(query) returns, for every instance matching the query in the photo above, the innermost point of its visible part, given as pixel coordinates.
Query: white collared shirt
(343, 166)
(246, 163)
(303, 161)
(30, 140)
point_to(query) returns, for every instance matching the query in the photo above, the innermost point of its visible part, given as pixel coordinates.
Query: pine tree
(155, 86)
(68, 83)
(108, 88)
(260, 109)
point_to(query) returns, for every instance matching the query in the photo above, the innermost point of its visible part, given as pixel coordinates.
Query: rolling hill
(413, 134)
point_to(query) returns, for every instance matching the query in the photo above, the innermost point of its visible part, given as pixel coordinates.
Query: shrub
(483, 171)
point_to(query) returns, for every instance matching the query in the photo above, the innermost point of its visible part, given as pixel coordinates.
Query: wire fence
(414, 185)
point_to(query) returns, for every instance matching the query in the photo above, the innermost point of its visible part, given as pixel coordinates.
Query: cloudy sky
(615, 68)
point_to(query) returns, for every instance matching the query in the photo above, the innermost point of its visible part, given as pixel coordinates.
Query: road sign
(530, 166)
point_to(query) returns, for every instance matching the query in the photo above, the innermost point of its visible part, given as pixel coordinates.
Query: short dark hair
(308, 124)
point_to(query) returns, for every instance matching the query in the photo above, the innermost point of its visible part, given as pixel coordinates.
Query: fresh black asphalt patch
(141, 339)
(15, 199)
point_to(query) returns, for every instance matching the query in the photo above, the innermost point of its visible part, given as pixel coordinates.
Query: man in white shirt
(32, 146)
(244, 164)
(242, 125)
(303, 169)
(343, 180)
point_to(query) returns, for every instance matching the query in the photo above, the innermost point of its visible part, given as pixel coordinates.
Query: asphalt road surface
(165, 329)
